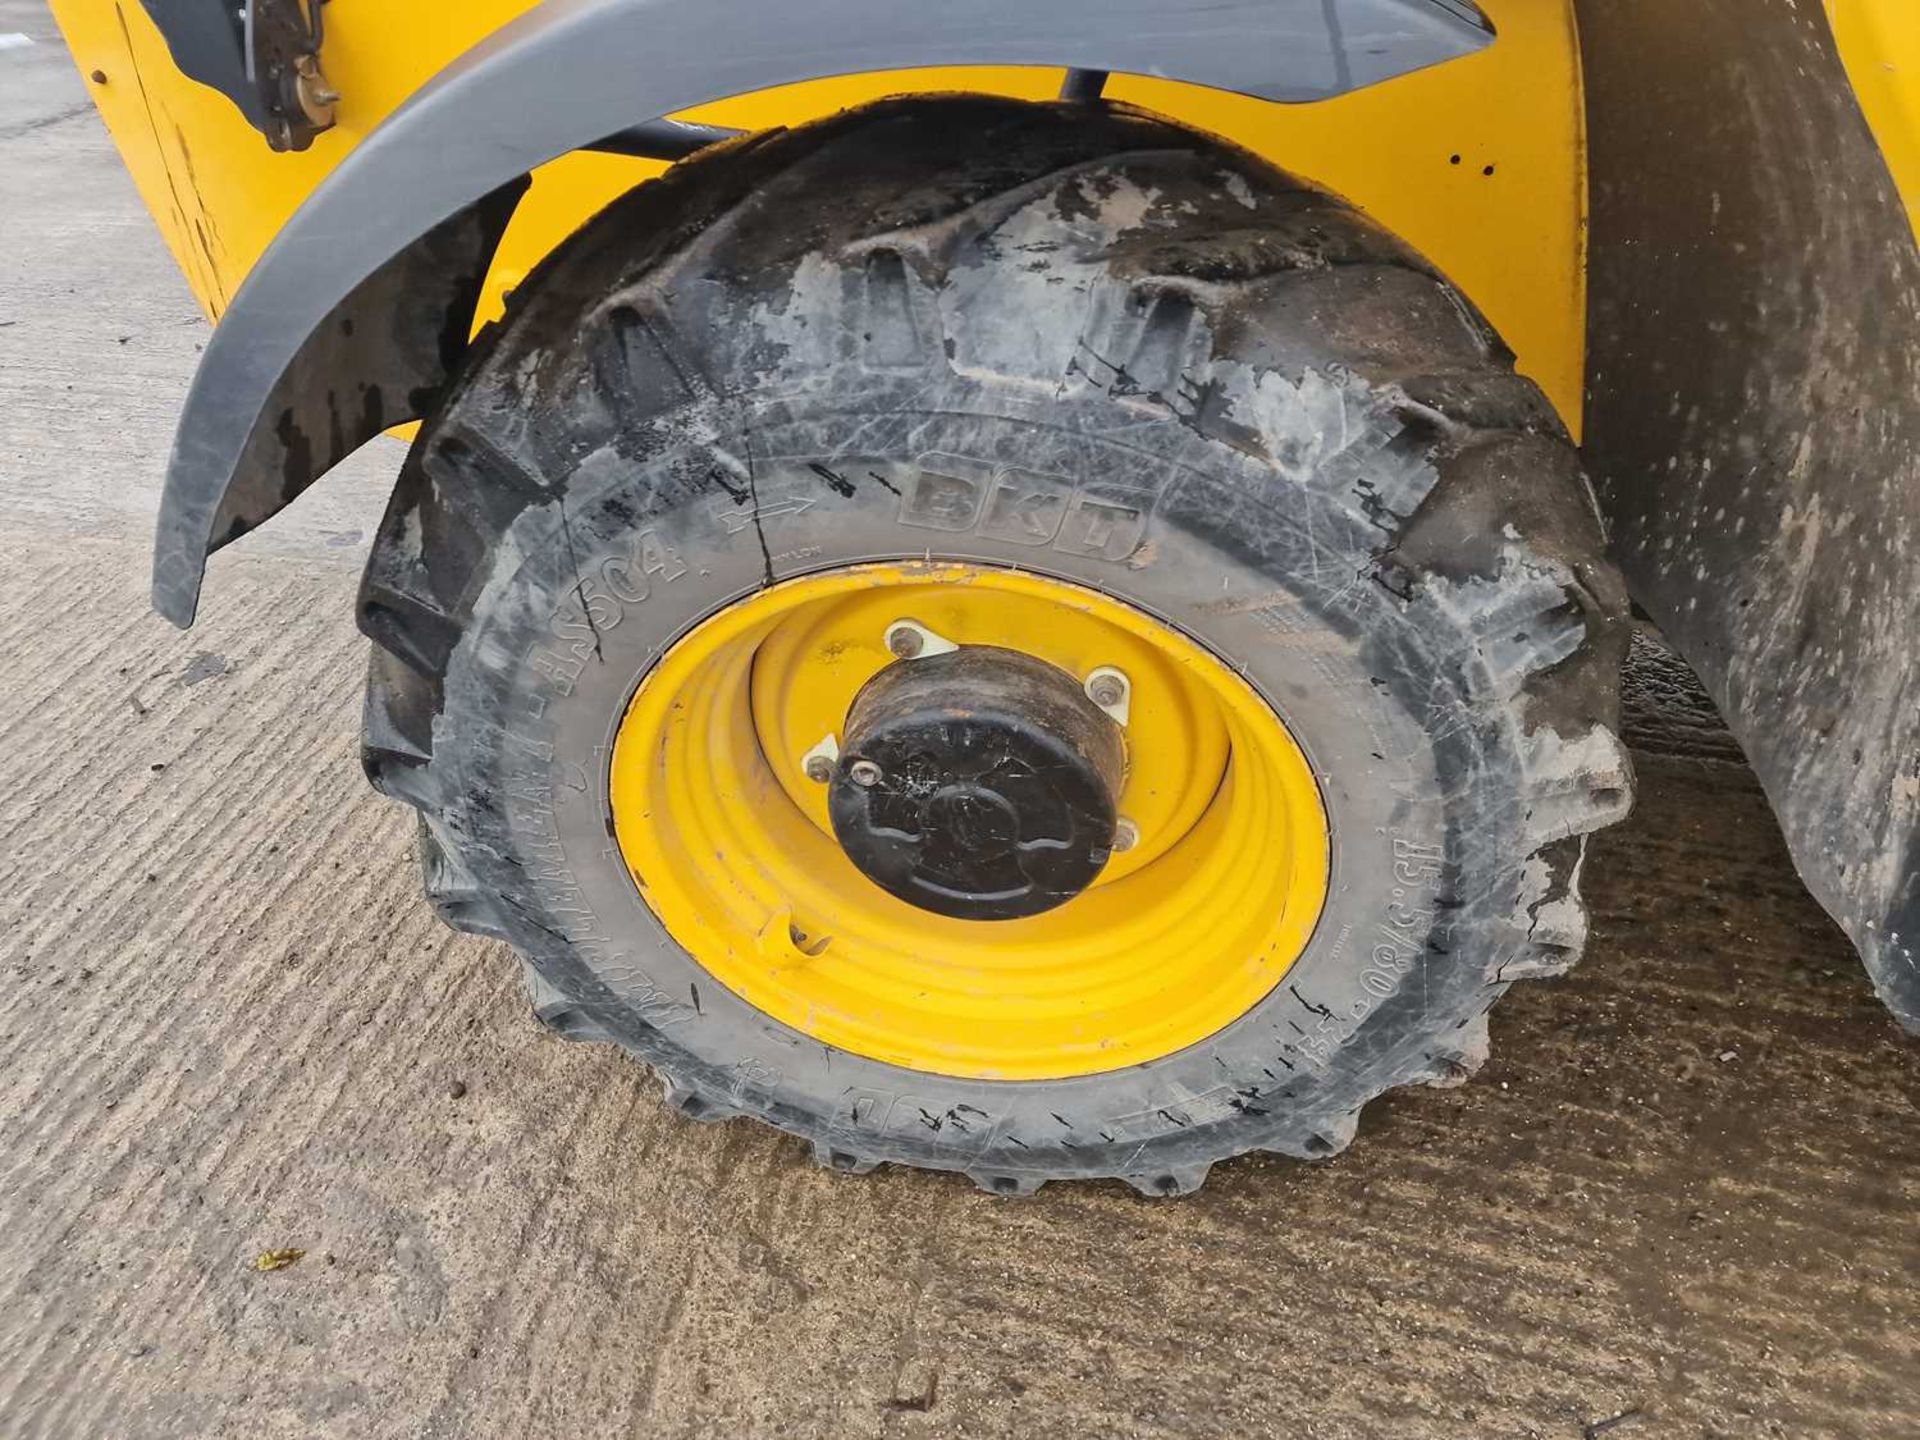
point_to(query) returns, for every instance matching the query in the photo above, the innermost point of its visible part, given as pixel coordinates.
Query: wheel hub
(1112, 760)
(979, 784)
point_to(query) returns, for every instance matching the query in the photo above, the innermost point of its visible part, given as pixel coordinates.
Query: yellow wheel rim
(732, 848)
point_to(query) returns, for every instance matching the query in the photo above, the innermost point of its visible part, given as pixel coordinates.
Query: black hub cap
(978, 784)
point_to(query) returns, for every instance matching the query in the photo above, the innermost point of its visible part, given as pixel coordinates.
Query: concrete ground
(1680, 1201)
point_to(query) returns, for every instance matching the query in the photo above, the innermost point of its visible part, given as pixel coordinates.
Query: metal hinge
(264, 55)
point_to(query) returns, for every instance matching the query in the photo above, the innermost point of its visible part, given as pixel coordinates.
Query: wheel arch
(358, 313)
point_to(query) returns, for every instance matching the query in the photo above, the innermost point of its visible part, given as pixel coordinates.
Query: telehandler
(1012, 586)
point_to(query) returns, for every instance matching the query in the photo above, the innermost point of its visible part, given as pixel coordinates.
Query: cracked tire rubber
(1209, 389)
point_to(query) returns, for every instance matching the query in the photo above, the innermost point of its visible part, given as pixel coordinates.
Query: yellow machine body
(1751, 321)
(1493, 191)
(1879, 43)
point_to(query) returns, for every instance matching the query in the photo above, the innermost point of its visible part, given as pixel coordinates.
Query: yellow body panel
(1477, 163)
(1879, 43)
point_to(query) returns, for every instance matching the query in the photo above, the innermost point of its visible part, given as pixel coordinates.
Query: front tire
(1086, 346)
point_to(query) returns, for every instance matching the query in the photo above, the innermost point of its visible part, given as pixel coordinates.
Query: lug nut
(817, 764)
(1112, 692)
(907, 639)
(1126, 835)
(864, 773)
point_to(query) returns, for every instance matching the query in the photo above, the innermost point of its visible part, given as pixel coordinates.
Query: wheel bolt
(817, 764)
(1106, 690)
(1126, 835)
(864, 773)
(905, 641)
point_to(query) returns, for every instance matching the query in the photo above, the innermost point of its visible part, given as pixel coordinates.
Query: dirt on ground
(281, 1156)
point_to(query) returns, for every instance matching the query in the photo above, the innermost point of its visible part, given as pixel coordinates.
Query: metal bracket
(910, 640)
(664, 139)
(1110, 689)
(264, 55)
(817, 764)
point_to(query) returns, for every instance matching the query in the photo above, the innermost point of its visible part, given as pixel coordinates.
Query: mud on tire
(1089, 344)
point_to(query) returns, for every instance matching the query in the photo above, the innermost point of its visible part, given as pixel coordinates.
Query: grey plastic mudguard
(358, 313)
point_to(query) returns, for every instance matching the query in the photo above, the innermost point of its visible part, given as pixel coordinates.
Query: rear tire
(1221, 396)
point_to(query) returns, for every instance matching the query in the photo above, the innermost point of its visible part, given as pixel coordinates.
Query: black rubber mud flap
(1754, 422)
(1089, 345)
